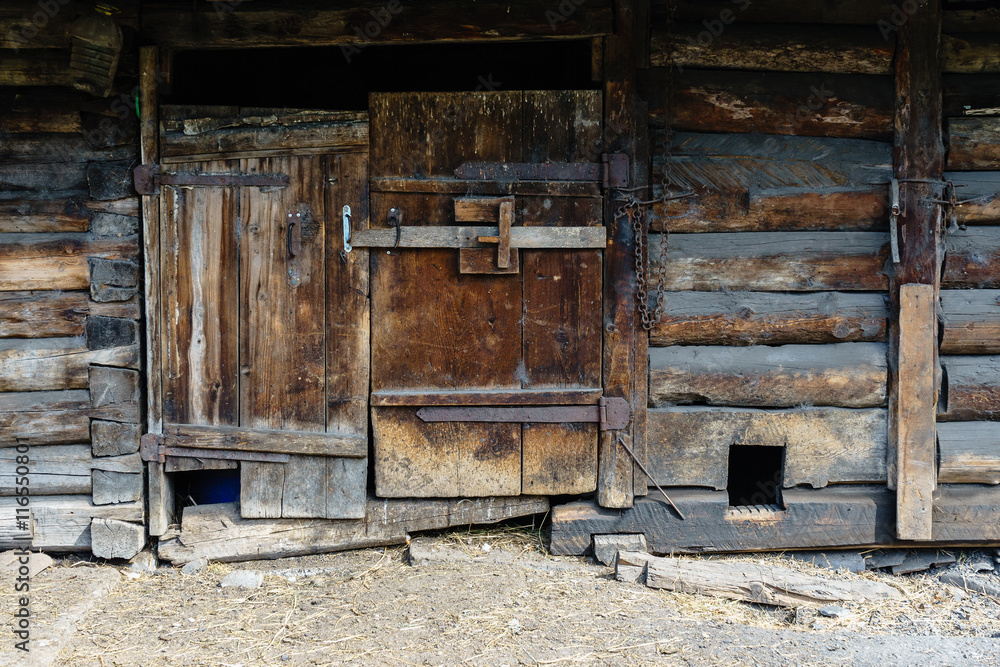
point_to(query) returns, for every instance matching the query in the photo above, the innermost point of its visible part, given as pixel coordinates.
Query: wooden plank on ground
(762, 318)
(218, 533)
(972, 388)
(774, 261)
(838, 516)
(969, 453)
(916, 406)
(848, 375)
(748, 582)
(689, 446)
(970, 321)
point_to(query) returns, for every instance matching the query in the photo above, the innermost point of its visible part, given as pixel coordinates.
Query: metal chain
(635, 210)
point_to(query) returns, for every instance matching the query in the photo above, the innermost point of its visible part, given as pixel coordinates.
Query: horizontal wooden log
(972, 388)
(19, 180)
(61, 523)
(955, 18)
(847, 375)
(238, 136)
(840, 49)
(780, 164)
(293, 442)
(979, 192)
(838, 516)
(972, 259)
(26, 24)
(319, 24)
(853, 12)
(780, 210)
(55, 417)
(966, 94)
(756, 318)
(969, 453)
(42, 148)
(973, 143)
(47, 314)
(55, 261)
(970, 54)
(219, 533)
(749, 582)
(773, 261)
(689, 446)
(461, 187)
(970, 322)
(56, 363)
(54, 121)
(35, 67)
(468, 237)
(831, 105)
(487, 397)
(59, 469)
(67, 215)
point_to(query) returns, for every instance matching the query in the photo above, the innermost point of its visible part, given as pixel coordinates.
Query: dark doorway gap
(322, 77)
(755, 475)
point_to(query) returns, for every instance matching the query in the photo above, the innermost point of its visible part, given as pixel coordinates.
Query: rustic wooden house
(724, 273)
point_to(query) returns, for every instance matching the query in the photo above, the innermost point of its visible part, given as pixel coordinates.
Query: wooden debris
(606, 547)
(219, 533)
(749, 582)
(922, 560)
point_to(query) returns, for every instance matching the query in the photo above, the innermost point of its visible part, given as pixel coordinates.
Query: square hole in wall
(754, 475)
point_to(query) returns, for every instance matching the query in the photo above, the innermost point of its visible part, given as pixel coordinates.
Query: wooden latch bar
(148, 178)
(151, 448)
(611, 413)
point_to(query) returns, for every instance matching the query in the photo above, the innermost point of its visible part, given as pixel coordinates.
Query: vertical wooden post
(918, 161)
(161, 501)
(615, 466)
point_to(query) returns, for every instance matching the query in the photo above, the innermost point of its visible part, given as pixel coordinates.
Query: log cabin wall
(69, 292)
(768, 369)
(969, 405)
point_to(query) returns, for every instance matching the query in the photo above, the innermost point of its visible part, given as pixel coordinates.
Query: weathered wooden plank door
(460, 320)
(265, 318)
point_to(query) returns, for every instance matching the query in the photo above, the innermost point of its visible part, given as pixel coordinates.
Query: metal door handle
(294, 238)
(347, 228)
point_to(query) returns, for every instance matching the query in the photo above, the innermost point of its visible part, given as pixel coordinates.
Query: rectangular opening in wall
(755, 475)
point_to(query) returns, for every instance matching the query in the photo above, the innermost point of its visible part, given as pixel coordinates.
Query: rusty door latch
(148, 178)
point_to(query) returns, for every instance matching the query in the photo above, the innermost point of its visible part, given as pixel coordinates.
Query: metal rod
(621, 441)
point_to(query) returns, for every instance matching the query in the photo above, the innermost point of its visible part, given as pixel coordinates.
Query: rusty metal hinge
(611, 413)
(151, 448)
(148, 178)
(610, 172)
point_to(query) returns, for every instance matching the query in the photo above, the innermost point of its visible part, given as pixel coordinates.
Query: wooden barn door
(486, 292)
(265, 316)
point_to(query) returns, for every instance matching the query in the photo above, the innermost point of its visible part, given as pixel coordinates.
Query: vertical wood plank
(261, 486)
(615, 481)
(161, 492)
(918, 162)
(917, 445)
(201, 332)
(282, 349)
(347, 302)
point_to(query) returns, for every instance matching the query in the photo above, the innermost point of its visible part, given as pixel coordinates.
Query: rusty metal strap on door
(148, 178)
(151, 448)
(611, 413)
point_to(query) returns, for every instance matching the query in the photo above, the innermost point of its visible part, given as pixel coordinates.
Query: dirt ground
(499, 600)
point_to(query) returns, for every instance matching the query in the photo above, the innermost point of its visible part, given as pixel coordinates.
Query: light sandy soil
(503, 601)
